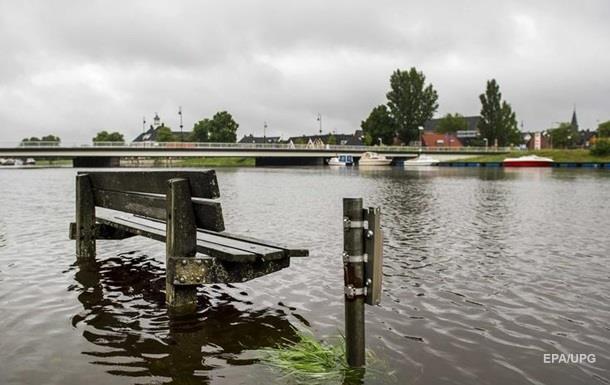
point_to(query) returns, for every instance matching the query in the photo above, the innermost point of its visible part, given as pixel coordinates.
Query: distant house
(150, 135)
(260, 139)
(355, 139)
(430, 139)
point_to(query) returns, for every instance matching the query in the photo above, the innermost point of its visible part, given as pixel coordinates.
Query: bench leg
(181, 243)
(85, 218)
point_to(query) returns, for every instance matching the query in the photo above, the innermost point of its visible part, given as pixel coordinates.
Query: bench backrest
(143, 193)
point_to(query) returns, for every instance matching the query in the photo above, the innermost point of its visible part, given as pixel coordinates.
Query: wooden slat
(208, 214)
(102, 231)
(266, 251)
(156, 230)
(203, 184)
(290, 252)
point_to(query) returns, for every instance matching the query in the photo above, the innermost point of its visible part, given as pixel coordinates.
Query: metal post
(353, 273)
(85, 218)
(181, 243)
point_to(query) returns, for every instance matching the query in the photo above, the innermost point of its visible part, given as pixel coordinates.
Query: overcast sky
(73, 68)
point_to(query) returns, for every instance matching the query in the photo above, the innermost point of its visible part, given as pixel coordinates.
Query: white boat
(30, 161)
(341, 160)
(422, 160)
(8, 162)
(528, 161)
(373, 159)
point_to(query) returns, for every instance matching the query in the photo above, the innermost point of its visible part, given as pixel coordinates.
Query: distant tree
(201, 131)
(452, 123)
(564, 136)
(498, 121)
(221, 128)
(50, 138)
(104, 136)
(603, 129)
(301, 140)
(411, 102)
(379, 124)
(164, 134)
(331, 139)
(32, 139)
(601, 147)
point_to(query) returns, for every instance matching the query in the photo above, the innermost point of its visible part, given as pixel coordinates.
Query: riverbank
(558, 155)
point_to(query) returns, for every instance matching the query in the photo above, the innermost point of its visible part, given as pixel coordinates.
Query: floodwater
(485, 272)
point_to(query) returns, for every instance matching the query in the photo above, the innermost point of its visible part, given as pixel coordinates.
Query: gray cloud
(73, 68)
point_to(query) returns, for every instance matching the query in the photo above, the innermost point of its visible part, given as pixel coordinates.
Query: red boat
(528, 161)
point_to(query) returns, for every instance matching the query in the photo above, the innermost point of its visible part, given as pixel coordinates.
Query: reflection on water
(128, 322)
(485, 270)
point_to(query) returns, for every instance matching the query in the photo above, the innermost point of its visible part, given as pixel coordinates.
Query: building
(430, 139)
(150, 135)
(260, 139)
(355, 139)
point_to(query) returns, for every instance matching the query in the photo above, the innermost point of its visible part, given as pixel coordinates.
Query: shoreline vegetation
(558, 155)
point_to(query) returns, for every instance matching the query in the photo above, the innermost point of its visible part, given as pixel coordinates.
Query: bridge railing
(258, 146)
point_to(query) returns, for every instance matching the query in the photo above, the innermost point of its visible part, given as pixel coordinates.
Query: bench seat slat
(208, 214)
(262, 249)
(289, 251)
(203, 183)
(156, 230)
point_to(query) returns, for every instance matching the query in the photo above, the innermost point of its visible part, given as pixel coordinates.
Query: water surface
(485, 271)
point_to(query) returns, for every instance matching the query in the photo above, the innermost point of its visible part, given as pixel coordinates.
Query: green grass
(310, 361)
(557, 155)
(216, 162)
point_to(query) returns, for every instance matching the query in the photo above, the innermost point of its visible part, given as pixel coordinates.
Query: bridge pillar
(96, 161)
(288, 161)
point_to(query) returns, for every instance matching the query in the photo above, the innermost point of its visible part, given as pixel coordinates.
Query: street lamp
(319, 119)
(486, 143)
(180, 113)
(421, 131)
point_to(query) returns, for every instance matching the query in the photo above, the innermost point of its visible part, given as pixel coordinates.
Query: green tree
(105, 136)
(33, 141)
(601, 147)
(498, 121)
(452, 123)
(164, 134)
(201, 131)
(221, 128)
(564, 136)
(331, 139)
(379, 124)
(411, 102)
(50, 138)
(603, 129)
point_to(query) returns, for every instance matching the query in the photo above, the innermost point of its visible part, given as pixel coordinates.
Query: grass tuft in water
(311, 361)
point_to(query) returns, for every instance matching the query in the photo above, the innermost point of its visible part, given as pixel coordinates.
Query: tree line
(411, 102)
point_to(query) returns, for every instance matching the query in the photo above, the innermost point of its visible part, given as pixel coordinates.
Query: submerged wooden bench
(178, 208)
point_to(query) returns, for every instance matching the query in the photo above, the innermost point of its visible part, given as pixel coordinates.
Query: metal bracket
(349, 224)
(355, 258)
(350, 291)
(189, 271)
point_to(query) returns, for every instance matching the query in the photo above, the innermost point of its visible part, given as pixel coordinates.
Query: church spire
(574, 122)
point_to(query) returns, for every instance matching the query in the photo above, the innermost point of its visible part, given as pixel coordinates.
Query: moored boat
(341, 160)
(528, 161)
(422, 160)
(373, 159)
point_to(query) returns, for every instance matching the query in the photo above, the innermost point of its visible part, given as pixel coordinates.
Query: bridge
(104, 154)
